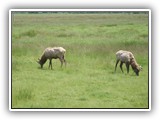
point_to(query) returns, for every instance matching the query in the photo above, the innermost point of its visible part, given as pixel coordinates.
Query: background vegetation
(88, 81)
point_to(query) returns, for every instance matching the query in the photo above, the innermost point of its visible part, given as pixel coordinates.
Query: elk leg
(64, 61)
(116, 65)
(61, 60)
(127, 66)
(50, 63)
(121, 66)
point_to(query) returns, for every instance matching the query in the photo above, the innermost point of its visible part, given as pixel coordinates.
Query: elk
(52, 53)
(128, 58)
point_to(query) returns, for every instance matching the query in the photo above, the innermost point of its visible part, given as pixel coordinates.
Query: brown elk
(52, 53)
(127, 58)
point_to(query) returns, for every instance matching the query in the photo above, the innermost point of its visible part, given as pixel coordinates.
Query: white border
(10, 72)
(10, 62)
(80, 10)
(150, 60)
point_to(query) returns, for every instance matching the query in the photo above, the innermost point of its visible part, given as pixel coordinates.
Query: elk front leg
(116, 65)
(121, 66)
(50, 63)
(61, 60)
(127, 66)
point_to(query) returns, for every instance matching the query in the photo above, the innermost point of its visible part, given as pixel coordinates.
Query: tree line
(81, 12)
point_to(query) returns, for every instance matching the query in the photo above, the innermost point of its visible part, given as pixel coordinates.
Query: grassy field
(88, 81)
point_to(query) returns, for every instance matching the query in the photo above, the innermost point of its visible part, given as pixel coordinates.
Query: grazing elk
(127, 58)
(52, 53)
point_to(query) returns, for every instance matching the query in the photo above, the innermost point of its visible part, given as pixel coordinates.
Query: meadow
(89, 80)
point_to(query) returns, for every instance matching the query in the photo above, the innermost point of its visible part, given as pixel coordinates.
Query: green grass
(88, 81)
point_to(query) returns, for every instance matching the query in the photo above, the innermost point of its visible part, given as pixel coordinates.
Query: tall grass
(88, 81)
